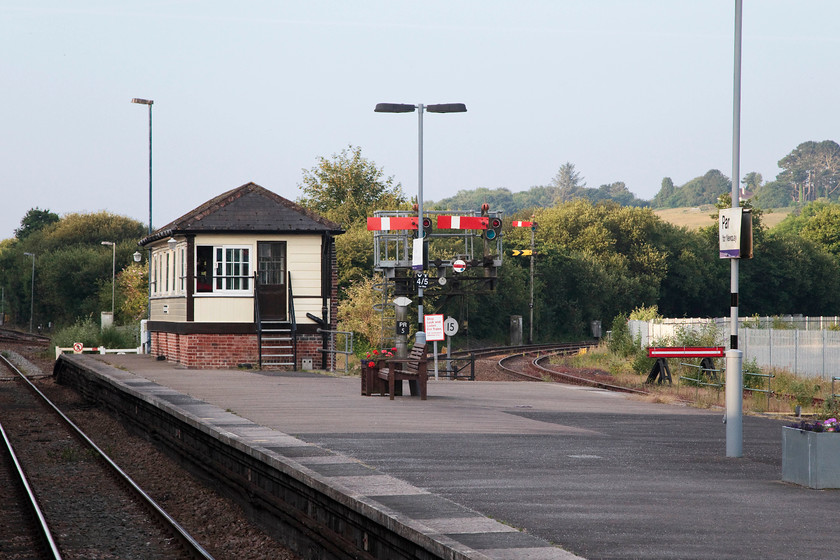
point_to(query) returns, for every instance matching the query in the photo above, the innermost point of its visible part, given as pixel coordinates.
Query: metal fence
(809, 351)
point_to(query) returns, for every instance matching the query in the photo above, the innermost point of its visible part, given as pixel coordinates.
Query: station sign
(433, 326)
(729, 232)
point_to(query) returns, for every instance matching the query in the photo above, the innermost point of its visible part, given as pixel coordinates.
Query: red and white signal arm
(523, 224)
(392, 224)
(459, 266)
(463, 222)
(687, 352)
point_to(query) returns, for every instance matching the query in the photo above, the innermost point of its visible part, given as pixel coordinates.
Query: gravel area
(216, 522)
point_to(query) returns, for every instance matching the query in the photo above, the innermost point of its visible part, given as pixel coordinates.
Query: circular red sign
(459, 266)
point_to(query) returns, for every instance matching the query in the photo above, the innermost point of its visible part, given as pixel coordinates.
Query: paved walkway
(599, 474)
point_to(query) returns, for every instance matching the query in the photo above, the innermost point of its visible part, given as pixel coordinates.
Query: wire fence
(773, 342)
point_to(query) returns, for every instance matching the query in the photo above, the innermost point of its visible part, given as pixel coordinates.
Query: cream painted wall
(216, 309)
(303, 260)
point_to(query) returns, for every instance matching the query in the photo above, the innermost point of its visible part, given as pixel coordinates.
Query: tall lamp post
(734, 356)
(149, 102)
(421, 108)
(32, 291)
(113, 272)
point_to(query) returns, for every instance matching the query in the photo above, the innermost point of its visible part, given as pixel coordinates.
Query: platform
(531, 470)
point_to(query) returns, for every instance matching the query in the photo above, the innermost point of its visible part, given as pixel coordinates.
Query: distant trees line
(810, 172)
(596, 258)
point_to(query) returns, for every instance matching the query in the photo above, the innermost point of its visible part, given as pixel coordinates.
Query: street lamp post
(32, 291)
(113, 272)
(149, 102)
(421, 108)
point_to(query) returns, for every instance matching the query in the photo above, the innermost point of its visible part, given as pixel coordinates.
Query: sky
(259, 90)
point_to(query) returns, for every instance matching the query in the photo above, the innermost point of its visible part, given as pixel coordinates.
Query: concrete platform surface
(599, 474)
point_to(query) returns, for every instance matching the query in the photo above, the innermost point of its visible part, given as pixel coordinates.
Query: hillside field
(699, 216)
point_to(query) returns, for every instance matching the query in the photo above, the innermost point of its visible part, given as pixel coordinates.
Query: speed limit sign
(450, 326)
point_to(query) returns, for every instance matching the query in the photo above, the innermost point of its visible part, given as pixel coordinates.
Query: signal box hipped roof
(247, 209)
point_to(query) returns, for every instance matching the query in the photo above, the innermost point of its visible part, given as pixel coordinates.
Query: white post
(734, 404)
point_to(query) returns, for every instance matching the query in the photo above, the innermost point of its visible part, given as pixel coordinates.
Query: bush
(621, 343)
(88, 332)
(85, 331)
(120, 337)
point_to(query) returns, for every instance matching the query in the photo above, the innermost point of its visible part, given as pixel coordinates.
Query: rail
(190, 544)
(32, 501)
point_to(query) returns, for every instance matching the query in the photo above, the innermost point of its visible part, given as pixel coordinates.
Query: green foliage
(72, 269)
(132, 292)
(700, 190)
(357, 312)
(88, 332)
(649, 313)
(776, 194)
(127, 336)
(812, 171)
(621, 342)
(85, 331)
(348, 188)
(754, 377)
(35, 220)
(666, 191)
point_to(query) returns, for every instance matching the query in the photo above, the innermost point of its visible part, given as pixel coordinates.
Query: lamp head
(142, 101)
(394, 108)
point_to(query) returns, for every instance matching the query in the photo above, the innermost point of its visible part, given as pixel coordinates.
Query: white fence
(810, 353)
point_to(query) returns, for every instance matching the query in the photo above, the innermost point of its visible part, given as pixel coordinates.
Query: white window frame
(221, 267)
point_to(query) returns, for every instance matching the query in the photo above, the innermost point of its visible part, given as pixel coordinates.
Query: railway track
(95, 510)
(8, 335)
(24, 531)
(535, 365)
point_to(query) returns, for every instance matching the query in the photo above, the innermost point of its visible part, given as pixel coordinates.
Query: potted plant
(811, 454)
(371, 363)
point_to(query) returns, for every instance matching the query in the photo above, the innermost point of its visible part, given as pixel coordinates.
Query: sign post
(433, 325)
(450, 327)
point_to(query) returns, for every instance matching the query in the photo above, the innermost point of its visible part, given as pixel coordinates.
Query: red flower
(371, 364)
(376, 352)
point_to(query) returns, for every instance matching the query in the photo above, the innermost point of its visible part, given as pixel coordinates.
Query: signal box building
(248, 277)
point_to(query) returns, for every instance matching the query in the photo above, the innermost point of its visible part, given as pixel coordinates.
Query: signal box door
(271, 267)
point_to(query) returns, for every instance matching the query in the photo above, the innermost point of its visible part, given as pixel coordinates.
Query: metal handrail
(293, 321)
(348, 347)
(257, 317)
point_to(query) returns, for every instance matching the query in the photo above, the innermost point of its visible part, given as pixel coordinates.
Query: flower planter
(811, 459)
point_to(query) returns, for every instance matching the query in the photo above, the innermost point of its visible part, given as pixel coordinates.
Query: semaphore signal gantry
(464, 247)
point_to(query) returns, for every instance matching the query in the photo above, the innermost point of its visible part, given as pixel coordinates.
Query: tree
(661, 200)
(752, 181)
(812, 170)
(471, 200)
(776, 194)
(35, 220)
(568, 182)
(701, 190)
(72, 268)
(348, 188)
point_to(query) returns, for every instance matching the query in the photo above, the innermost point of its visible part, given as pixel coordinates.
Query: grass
(788, 390)
(699, 216)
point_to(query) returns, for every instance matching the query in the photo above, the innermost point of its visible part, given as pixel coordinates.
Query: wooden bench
(412, 369)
